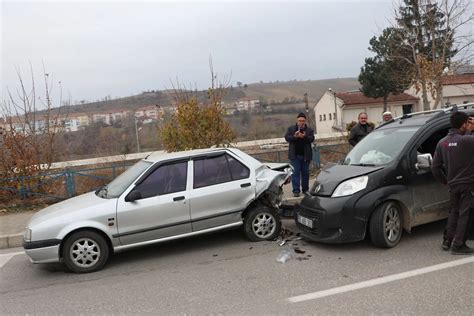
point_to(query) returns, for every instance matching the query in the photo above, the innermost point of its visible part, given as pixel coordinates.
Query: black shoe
(446, 245)
(296, 194)
(462, 250)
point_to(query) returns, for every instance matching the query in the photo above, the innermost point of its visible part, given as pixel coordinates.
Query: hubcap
(392, 224)
(85, 252)
(264, 225)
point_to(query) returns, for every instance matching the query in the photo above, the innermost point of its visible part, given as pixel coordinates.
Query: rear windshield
(380, 147)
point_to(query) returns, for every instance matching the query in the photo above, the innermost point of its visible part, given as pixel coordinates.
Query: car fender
(368, 202)
(88, 224)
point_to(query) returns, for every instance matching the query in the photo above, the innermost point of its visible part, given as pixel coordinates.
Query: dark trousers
(300, 174)
(462, 203)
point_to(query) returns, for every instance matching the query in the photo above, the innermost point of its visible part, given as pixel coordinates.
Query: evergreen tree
(382, 75)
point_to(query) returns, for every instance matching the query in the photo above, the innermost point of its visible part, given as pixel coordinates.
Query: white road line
(4, 258)
(378, 281)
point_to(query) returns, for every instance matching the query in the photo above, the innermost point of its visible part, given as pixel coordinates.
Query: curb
(11, 241)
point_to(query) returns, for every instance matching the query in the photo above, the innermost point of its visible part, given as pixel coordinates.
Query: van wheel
(262, 223)
(85, 251)
(386, 225)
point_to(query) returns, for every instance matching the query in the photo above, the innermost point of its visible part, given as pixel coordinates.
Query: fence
(59, 185)
(71, 182)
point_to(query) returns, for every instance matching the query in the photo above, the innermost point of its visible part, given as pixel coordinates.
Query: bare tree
(32, 122)
(433, 41)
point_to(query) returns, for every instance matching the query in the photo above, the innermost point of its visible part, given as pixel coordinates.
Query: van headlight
(27, 235)
(351, 186)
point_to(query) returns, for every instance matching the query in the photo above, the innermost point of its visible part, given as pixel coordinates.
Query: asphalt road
(223, 273)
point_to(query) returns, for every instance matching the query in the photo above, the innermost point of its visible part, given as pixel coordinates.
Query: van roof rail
(404, 116)
(453, 108)
(440, 112)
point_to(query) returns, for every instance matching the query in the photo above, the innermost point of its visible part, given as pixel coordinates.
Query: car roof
(162, 155)
(422, 118)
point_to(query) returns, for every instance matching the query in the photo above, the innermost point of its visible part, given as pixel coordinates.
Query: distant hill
(275, 91)
(314, 88)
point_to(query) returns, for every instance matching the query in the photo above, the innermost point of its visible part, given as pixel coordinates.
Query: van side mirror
(423, 161)
(133, 196)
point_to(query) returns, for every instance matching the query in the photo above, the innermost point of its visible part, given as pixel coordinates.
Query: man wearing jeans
(453, 165)
(300, 137)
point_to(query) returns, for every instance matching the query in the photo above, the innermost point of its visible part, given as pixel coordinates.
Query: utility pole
(136, 134)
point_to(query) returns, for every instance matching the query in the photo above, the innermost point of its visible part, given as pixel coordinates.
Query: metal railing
(67, 183)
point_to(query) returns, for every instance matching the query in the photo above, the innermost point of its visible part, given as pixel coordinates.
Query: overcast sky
(105, 48)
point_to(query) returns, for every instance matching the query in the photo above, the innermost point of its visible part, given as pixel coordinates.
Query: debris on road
(285, 255)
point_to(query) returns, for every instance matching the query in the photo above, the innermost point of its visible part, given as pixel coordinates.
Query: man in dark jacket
(300, 137)
(360, 130)
(453, 165)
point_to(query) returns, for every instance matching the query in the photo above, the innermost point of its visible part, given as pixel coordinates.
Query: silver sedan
(163, 197)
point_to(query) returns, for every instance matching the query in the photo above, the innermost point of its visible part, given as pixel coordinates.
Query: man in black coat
(453, 165)
(360, 130)
(300, 137)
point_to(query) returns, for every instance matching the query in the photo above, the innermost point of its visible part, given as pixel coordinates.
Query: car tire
(85, 251)
(386, 225)
(262, 223)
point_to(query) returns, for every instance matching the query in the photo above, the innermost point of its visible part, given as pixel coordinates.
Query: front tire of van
(385, 225)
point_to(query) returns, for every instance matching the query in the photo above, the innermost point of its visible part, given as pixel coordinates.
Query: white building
(457, 89)
(246, 104)
(334, 111)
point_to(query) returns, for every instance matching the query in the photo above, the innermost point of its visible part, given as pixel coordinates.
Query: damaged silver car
(163, 197)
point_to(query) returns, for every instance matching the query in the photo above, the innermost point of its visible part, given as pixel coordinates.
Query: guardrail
(71, 181)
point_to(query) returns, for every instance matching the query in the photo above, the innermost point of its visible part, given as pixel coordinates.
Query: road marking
(4, 258)
(378, 281)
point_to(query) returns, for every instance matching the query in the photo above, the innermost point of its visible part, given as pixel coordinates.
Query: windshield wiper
(102, 192)
(363, 164)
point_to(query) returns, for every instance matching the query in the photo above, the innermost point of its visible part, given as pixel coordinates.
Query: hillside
(276, 92)
(315, 88)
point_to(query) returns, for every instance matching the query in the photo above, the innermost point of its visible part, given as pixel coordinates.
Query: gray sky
(122, 48)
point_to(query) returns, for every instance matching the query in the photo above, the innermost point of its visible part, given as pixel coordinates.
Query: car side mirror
(423, 161)
(133, 196)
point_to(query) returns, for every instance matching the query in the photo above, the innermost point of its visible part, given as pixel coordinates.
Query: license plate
(305, 221)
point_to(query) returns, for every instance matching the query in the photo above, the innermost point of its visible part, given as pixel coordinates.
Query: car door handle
(178, 198)
(243, 185)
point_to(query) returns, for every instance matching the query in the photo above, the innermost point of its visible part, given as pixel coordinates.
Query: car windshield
(115, 188)
(380, 147)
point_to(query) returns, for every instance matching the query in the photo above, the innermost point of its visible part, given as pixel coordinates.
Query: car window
(115, 188)
(429, 145)
(237, 169)
(381, 146)
(210, 171)
(165, 179)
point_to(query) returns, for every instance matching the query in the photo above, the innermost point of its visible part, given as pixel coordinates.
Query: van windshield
(380, 147)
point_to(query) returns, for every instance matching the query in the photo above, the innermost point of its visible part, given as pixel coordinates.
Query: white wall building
(334, 111)
(457, 89)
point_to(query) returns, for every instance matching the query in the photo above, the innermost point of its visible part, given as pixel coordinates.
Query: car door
(430, 198)
(222, 187)
(163, 209)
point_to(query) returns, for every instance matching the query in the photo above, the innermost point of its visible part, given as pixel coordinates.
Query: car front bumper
(334, 220)
(42, 252)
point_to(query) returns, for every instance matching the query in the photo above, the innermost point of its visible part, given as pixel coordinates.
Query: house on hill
(150, 112)
(334, 110)
(457, 89)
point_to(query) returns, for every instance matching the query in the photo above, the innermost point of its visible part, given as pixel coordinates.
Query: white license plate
(305, 221)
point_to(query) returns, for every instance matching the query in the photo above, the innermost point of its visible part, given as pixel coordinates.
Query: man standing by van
(455, 152)
(360, 130)
(300, 137)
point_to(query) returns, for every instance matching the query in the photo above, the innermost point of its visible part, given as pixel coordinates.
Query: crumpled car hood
(270, 181)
